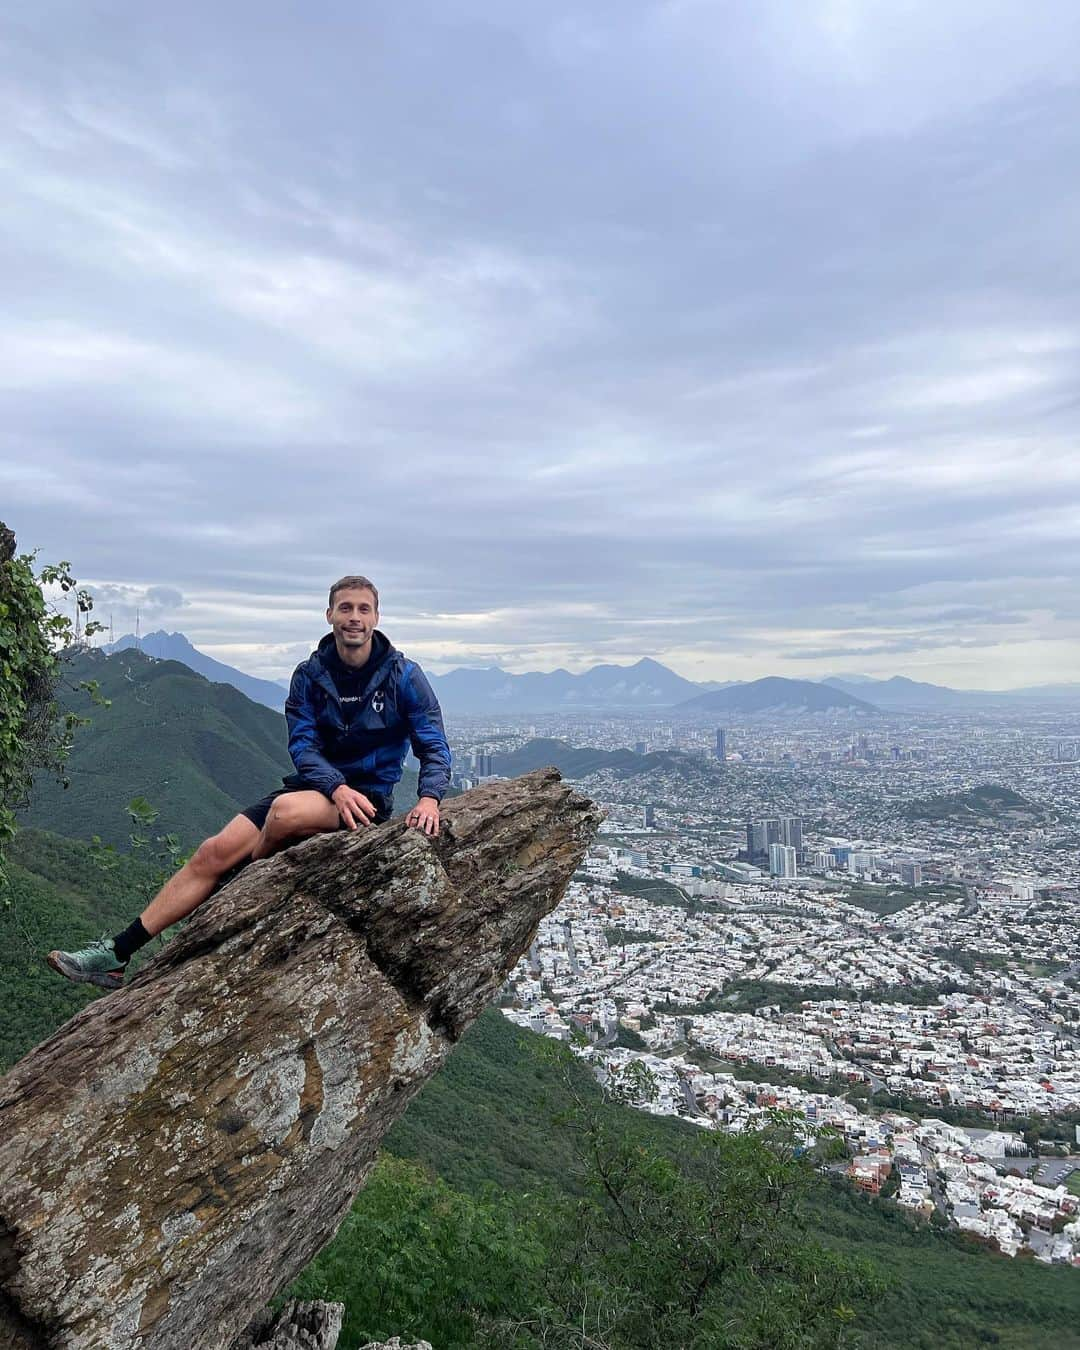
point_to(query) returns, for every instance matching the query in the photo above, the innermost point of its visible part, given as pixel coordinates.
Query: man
(353, 708)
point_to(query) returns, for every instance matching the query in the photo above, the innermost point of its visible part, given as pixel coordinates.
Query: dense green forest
(57, 896)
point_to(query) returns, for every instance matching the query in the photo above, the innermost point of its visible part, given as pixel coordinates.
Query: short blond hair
(352, 584)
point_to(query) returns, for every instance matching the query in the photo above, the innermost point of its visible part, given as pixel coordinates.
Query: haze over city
(739, 336)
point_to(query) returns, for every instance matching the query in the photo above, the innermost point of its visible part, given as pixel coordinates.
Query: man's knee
(223, 850)
(288, 816)
(213, 856)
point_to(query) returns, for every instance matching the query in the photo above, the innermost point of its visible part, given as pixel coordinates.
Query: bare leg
(188, 888)
(296, 815)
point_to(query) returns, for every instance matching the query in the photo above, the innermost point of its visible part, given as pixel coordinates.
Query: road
(936, 1189)
(571, 950)
(688, 1095)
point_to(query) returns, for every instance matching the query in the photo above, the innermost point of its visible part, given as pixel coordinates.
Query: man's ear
(329, 616)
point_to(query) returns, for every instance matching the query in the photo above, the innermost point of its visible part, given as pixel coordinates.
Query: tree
(35, 733)
(700, 1246)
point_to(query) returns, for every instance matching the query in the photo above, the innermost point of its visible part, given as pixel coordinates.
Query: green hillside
(198, 752)
(57, 896)
(579, 762)
(487, 1117)
(985, 805)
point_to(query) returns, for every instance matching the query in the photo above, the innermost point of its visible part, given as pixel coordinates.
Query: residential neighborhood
(873, 930)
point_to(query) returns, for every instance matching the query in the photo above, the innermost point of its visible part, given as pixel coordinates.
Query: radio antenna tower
(111, 639)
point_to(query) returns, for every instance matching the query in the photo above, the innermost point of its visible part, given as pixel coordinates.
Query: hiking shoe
(96, 964)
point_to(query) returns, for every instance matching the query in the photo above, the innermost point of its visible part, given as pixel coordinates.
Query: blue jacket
(398, 707)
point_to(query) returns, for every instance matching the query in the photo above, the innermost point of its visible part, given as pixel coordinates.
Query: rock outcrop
(396, 1343)
(295, 1326)
(180, 1149)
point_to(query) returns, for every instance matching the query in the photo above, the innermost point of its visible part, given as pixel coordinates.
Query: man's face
(353, 617)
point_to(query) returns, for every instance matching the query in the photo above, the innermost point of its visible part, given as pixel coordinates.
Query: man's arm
(428, 738)
(305, 747)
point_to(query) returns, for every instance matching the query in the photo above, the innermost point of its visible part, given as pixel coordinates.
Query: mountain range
(176, 647)
(906, 695)
(775, 694)
(647, 685)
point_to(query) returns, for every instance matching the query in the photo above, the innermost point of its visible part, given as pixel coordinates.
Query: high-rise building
(762, 834)
(641, 747)
(861, 862)
(910, 874)
(757, 839)
(649, 816)
(782, 861)
(721, 743)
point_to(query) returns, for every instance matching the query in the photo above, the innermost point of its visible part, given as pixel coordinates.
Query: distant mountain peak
(775, 693)
(165, 646)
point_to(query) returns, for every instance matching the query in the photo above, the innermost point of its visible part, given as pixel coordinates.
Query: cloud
(741, 340)
(163, 597)
(124, 602)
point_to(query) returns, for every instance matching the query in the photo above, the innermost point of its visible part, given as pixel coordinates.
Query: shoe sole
(104, 979)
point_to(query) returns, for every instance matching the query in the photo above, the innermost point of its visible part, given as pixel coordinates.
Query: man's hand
(424, 816)
(353, 807)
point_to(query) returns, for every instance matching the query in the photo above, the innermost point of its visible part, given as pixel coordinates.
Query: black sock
(127, 943)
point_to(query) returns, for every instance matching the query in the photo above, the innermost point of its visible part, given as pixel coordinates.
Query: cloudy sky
(738, 333)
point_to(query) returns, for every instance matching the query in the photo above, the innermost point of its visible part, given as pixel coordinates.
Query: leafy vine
(36, 734)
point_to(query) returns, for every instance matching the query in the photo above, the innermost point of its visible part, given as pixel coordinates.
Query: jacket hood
(377, 667)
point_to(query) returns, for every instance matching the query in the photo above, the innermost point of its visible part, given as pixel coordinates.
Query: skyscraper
(721, 743)
(791, 832)
(910, 874)
(649, 816)
(782, 861)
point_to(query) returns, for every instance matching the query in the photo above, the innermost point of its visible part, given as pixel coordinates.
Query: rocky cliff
(178, 1151)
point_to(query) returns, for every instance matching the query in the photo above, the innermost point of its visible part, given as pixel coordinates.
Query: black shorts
(383, 804)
